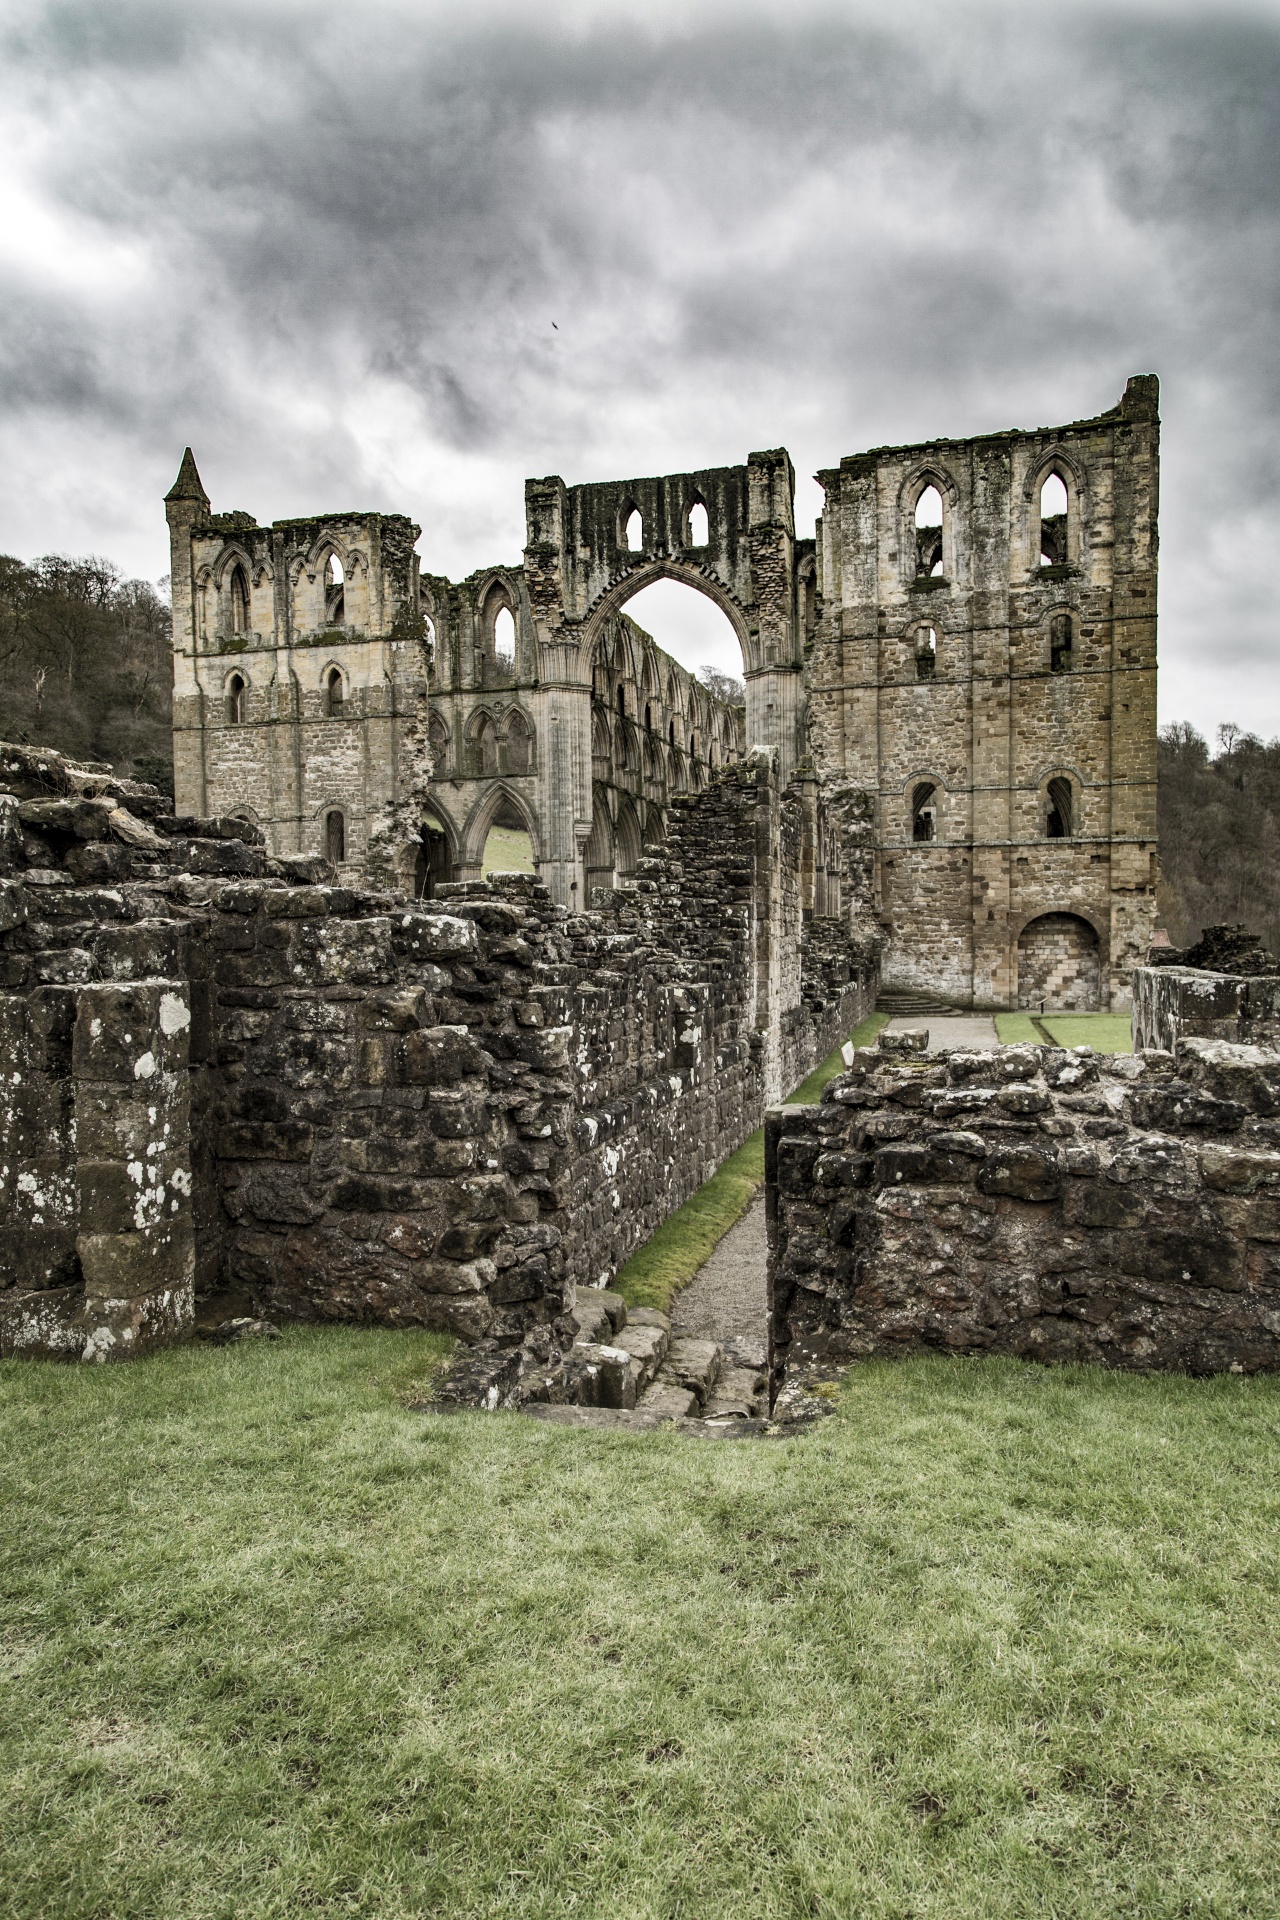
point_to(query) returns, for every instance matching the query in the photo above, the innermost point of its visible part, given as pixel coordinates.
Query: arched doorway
(1059, 965)
(435, 860)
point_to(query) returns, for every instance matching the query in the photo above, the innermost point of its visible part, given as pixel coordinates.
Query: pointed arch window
(519, 744)
(504, 638)
(335, 592)
(333, 694)
(335, 836)
(239, 600)
(929, 534)
(699, 526)
(927, 653)
(1059, 811)
(633, 532)
(1053, 521)
(482, 747)
(438, 739)
(924, 811)
(237, 702)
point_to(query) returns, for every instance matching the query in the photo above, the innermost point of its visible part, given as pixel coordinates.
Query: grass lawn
(668, 1260)
(991, 1641)
(507, 850)
(1013, 1029)
(1105, 1032)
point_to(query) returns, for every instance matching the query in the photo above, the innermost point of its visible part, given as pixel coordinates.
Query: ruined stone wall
(338, 1104)
(1061, 1206)
(936, 664)
(1175, 1003)
(895, 660)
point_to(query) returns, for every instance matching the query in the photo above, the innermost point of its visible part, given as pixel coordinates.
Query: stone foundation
(1059, 1206)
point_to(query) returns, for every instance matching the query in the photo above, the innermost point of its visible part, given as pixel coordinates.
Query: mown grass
(1016, 1029)
(991, 1641)
(507, 850)
(1105, 1032)
(688, 1237)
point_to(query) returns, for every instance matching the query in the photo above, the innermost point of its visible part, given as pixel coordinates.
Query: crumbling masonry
(284, 1042)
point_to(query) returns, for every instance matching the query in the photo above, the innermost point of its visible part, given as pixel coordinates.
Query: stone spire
(188, 485)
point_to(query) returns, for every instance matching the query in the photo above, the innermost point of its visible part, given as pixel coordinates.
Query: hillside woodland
(1219, 833)
(85, 663)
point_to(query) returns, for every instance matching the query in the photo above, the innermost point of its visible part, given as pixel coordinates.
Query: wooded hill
(1219, 833)
(85, 663)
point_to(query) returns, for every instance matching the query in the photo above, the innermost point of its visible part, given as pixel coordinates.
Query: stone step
(693, 1366)
(740, 1393)
(642, 1420)
(645, 1338)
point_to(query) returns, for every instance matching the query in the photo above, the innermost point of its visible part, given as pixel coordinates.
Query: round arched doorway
(1059, 965)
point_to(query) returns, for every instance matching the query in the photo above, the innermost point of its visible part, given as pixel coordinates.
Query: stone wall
(1172, 1003)
(341, 1104)
(1060, 1206)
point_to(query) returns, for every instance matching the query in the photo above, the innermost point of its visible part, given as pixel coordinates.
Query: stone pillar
(129, 1057)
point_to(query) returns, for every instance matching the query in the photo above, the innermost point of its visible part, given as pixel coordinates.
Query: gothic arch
(1056, 460)
(480, 743)
(483, 815)
(233, 555)
(648, 569)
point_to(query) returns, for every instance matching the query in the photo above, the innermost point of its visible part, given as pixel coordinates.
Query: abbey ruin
(967, 645)
(282, 1040)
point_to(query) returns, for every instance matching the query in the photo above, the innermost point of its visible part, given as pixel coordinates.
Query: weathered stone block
(441, 1056)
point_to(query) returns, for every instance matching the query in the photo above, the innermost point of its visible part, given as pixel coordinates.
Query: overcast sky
(327, 246)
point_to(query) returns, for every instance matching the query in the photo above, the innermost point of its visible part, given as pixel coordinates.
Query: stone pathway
(968, 1030)
(726, 1299)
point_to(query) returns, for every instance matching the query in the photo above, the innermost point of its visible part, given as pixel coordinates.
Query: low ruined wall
(1172, 1003)
(444, 1114)
(1058, 1206)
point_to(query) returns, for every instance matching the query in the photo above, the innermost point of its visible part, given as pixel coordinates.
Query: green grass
(992, 1641)
(507, 850)
(672, 1255)
(1105, 1032)
(1013, 1029)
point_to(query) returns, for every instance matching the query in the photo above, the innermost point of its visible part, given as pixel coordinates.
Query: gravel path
(725, 1300)
(976, 1030)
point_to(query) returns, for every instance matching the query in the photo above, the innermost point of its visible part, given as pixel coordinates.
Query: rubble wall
(1058, 1206)
(345, 1105)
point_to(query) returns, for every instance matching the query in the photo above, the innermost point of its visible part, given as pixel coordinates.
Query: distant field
(993, 1642)
(508, 850)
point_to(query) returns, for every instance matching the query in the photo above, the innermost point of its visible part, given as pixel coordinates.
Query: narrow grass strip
(671, 1256)
(1016, 1030)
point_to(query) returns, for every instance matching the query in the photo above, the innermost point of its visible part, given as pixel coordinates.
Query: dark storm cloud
(329, 245)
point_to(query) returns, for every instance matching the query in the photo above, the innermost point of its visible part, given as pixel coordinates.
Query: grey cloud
(823, 225)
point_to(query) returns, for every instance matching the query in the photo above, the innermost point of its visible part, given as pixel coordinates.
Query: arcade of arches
(961, 652)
